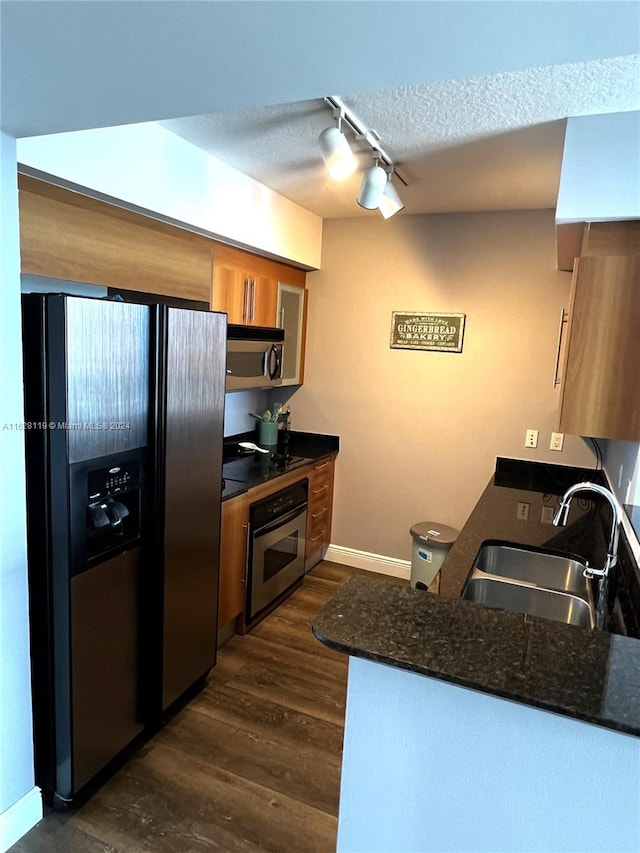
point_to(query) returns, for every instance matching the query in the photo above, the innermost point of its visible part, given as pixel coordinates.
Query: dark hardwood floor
(251, 764)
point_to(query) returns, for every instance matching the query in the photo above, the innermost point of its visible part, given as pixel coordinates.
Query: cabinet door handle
(564, 316)
(253, 300)
(245, 307)
(282, 318)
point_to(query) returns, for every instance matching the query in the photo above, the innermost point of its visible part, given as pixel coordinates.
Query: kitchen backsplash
(237, 406)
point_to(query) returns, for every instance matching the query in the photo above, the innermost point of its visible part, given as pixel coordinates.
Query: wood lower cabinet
(319, 510)
(235, 526)
(600, 395)
(233, 558)
(70, 236)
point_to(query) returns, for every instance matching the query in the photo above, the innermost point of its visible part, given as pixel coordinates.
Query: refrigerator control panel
(112, 480)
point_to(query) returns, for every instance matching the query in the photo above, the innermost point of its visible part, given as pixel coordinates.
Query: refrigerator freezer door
(192, 439)
(107, 377)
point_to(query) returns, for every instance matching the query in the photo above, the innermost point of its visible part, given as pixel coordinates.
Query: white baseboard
(20, 818)
(370, 562)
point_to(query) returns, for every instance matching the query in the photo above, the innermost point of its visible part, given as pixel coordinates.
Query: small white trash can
(431, 542)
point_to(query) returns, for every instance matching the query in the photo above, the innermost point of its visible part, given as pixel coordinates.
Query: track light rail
(361, 131)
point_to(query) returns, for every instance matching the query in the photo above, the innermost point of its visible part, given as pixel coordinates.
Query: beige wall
(420, 431)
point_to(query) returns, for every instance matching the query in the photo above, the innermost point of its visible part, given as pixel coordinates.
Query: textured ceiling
(485, 143)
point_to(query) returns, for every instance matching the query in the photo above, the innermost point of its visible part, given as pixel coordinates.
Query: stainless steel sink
(536, 601)
(539, 583)
(541, 568)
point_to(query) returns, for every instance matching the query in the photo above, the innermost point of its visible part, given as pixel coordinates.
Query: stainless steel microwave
(254, 357)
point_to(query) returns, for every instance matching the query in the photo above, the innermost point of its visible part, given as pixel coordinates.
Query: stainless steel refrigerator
(124, 424)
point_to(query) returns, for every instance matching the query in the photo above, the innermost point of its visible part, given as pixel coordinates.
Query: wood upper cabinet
(233, 558)
(69, 236)
(245, 286)
(611, 238)
(247, 300)
(292, 317)
(600, 395)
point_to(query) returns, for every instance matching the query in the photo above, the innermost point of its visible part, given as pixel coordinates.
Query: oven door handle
(278, 522)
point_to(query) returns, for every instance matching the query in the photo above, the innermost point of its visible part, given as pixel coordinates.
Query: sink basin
(539, 583)
(536, 601)
(541, 568)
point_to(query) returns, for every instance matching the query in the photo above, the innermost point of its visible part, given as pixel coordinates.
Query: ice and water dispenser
(113, 508)
(106, 507)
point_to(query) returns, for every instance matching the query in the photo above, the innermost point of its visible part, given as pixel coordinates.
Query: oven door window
(280, 555)
(277, 559)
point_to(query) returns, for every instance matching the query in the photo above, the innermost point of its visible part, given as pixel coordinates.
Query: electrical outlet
(557, 440)
(531, 438)
(547, 515)
(522, 511)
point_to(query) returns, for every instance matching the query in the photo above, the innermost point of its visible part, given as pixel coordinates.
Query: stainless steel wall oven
(277, 531)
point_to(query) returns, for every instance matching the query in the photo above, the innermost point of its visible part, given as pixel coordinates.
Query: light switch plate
(547, 514)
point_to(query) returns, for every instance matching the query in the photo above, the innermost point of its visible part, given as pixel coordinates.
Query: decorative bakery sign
(441, 332)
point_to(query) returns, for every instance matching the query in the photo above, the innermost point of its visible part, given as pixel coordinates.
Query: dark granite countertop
(589, 675)
(242, 472)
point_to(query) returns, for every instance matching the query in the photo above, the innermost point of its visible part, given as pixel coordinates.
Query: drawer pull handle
(324, 488)
(322, 465)
(319, 536)
(320, 512)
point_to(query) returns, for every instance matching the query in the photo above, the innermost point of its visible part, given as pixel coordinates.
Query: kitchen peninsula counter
(484, 730)
(588, 675)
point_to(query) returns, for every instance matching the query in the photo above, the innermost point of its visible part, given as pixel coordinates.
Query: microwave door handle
(274, 354)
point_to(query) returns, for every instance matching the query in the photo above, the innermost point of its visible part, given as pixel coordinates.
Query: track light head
(372, 187)
(390, 202)
(376, 189)
(336, 153)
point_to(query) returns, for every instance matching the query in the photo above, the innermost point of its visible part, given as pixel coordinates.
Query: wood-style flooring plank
(168, 802)
(292, 768)
(264, 650)
(252, 763)
(267, 719)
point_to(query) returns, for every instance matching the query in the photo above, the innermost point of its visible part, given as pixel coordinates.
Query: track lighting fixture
(337, 154)
(373, 183)
(376, 189)
(390, 202)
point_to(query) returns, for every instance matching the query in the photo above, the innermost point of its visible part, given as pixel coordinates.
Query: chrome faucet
(602, 575)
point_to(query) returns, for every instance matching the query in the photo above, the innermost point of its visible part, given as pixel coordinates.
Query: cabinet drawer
(319, 511)
(321, 522)
(318, 540)
(318, 516)
(319, 492)
(322, 469)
